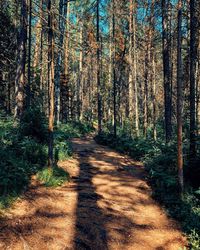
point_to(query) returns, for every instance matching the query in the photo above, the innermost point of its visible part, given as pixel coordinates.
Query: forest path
(107, 205)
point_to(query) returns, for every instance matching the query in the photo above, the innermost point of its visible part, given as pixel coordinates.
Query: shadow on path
(114, 206)
(90, 228)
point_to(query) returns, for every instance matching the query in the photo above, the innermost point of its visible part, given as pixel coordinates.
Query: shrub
(13, 172)
(62, 150)
(23, 152)
(34, 124)
(53, 177)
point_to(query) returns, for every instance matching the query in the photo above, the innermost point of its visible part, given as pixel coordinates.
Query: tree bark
(179, 98)
(50, 82)
(154, 100)
(114, 72)
(193, 61)
(20, 80)
(135, 73)
(99, 101)
(131, 69)
(65, 88)
(60, 59)
(28, 94)
(167, 69)
(80, 79)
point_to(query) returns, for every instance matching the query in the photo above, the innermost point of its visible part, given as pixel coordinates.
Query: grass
(7, 201)
(24, 153)
(161, 164)
(53, 177)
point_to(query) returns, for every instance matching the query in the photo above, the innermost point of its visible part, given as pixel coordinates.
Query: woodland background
(130, 68)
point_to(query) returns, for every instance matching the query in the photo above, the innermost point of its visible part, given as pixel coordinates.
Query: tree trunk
(131, 69)
(135, 73)
(167, 69)
(154, 100)
(153, 69)
(20, 79)
(60, 59)
(28, 94)
(80, 79)
(65, 87)
(37, 48)
(98, 74)
(110, 78)
(50, 82)
(146, 91)
(179, 97)
(193, 61)
(114, 72)
(41, 52)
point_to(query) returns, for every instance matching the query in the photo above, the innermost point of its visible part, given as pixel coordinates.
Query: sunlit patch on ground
(106, 205)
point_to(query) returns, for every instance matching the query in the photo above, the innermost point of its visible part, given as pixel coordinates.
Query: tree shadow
(90, 219)
(96, 227)
(108, 220)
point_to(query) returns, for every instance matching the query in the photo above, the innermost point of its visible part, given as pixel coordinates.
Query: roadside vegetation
(24, 153)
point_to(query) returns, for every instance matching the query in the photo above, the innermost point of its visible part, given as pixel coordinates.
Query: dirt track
(107, 205)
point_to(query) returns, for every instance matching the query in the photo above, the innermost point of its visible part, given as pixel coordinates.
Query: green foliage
(62, 150)
(75, 129)
(64, 133)
(24, 152)
(7, 201)
(195, 240)
(21, 157)
(14, 172)
(7, 52)
(32, 151)
(139, 148)
(53, 177)
(34, 124)
(161, 163)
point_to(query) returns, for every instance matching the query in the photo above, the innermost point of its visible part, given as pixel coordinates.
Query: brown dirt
(107, 205)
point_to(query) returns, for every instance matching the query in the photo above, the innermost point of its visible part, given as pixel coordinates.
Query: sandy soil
(107, 205)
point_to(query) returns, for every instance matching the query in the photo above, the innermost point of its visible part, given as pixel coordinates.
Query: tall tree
(193, 63)
(167, 67)
(114, 71)
(133, 90)
(131, 56)
(20, 79)
(28, 96)
(80, 77)
(50, 81)
(60, 58)
(135, 70)
(65, 82)
(179, 97)
(98, 71)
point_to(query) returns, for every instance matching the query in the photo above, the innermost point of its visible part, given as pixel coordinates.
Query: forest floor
(106, 205)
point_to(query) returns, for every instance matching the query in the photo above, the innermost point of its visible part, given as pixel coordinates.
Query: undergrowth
(53, 177)
(161, 165)
(24, 152)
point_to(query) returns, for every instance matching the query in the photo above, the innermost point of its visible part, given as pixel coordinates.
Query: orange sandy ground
(107, 205)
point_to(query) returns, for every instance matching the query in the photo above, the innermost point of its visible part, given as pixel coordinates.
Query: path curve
(107, 205)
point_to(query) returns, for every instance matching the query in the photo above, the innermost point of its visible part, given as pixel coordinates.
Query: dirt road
(107, 205)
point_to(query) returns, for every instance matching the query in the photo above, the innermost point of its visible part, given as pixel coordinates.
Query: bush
(62, 150)
(34, 124)
(14, 173)
(74, 129)
(53, 177)
(24, 152)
